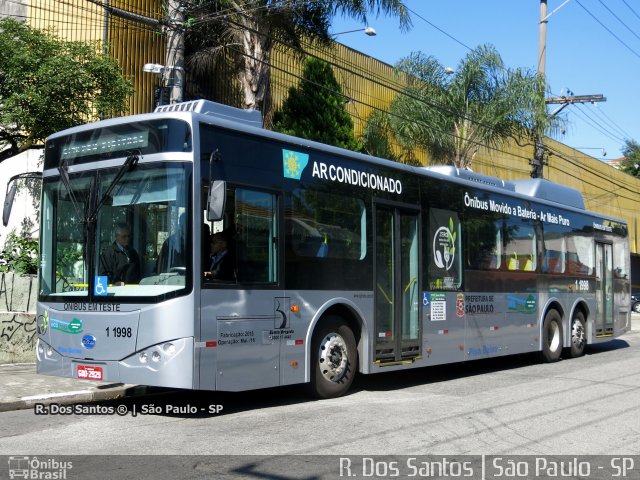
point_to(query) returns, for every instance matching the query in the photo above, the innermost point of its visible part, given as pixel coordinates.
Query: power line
(606, 119)
(608, 30)
(619, 19)
(440, 29)
(373, 107)
(600, 128)
(631, 8)
(630, 188)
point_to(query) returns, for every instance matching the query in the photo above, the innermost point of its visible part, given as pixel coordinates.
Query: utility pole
(173, 76)
(571, 99)
(542, 40)
(537, 162)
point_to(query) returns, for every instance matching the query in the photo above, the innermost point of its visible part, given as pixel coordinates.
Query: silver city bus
(337, 262)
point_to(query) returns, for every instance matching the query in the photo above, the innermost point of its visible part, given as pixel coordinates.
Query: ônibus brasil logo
(27, 467)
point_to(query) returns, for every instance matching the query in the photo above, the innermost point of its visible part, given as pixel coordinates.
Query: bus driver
(119, 261)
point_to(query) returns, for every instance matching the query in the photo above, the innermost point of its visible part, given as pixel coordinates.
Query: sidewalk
(21, 388)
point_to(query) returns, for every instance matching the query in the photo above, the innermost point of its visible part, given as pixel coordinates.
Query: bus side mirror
(216, 200)
(11, 193)
(8, 203)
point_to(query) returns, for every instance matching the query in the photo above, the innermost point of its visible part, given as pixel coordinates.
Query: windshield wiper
(63, 169)
(89, 216)
(129, 164)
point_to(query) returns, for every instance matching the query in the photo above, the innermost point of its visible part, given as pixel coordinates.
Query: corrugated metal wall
(74, 20)
(131, 43)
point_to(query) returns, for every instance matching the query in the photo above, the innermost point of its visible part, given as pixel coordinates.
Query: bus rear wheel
(551, 337)
(333, 358)
(578, 335)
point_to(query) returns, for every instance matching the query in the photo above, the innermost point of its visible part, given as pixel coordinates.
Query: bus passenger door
(244, 315)
(397, 280)
(604, 289)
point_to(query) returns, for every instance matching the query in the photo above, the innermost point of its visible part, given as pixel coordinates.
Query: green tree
(248, 30)
(631, 162)
(315, 110)
(452, 115)
(48, 84)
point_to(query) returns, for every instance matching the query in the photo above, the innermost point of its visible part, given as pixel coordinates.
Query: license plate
(89, 372)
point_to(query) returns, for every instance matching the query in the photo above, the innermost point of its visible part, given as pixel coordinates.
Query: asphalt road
(585, 406)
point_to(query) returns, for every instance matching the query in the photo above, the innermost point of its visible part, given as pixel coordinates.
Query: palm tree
(248, 30)
(452, 114)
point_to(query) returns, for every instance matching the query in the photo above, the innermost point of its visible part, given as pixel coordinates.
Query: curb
(102, 393)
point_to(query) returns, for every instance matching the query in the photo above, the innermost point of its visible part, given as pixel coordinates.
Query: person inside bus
(173, 251)
(222, 265)
(120, 262)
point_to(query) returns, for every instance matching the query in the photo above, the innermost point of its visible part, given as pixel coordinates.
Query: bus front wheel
(551, 337)
(333, 358)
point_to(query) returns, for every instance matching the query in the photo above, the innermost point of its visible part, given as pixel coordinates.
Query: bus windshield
(134, 245)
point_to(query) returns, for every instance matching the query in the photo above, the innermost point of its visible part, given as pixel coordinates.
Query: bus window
(63, 269)
(325, 225)
(483, 240)
(255, 236)
(555, 251)
(520, 246)
(248, 228)
(620, 263)
(580, 255)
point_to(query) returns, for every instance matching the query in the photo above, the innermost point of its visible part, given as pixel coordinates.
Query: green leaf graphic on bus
(444, 246)
(294, 163)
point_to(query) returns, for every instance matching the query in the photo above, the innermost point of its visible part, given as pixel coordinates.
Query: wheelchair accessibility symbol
(100, 286)
(426, 298)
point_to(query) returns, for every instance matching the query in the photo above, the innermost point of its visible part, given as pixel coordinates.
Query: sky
(593, 47)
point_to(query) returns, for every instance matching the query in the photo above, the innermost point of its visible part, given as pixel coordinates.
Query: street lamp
(370, 31)
(603, 152)
(153, 68)
(170, 80)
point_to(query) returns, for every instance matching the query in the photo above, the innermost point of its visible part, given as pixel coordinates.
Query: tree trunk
(254, 72)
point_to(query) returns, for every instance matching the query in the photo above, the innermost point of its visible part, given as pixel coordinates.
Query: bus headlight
(156, 356)
(169, 348)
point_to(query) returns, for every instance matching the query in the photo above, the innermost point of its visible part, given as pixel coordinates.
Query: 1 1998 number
(119, 332)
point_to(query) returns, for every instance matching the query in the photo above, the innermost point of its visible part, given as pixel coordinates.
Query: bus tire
(551, 337)
(333, 358)
(578, 335)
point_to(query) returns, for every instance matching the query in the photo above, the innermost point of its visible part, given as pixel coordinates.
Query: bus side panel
(444, 328)
(241, 336)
